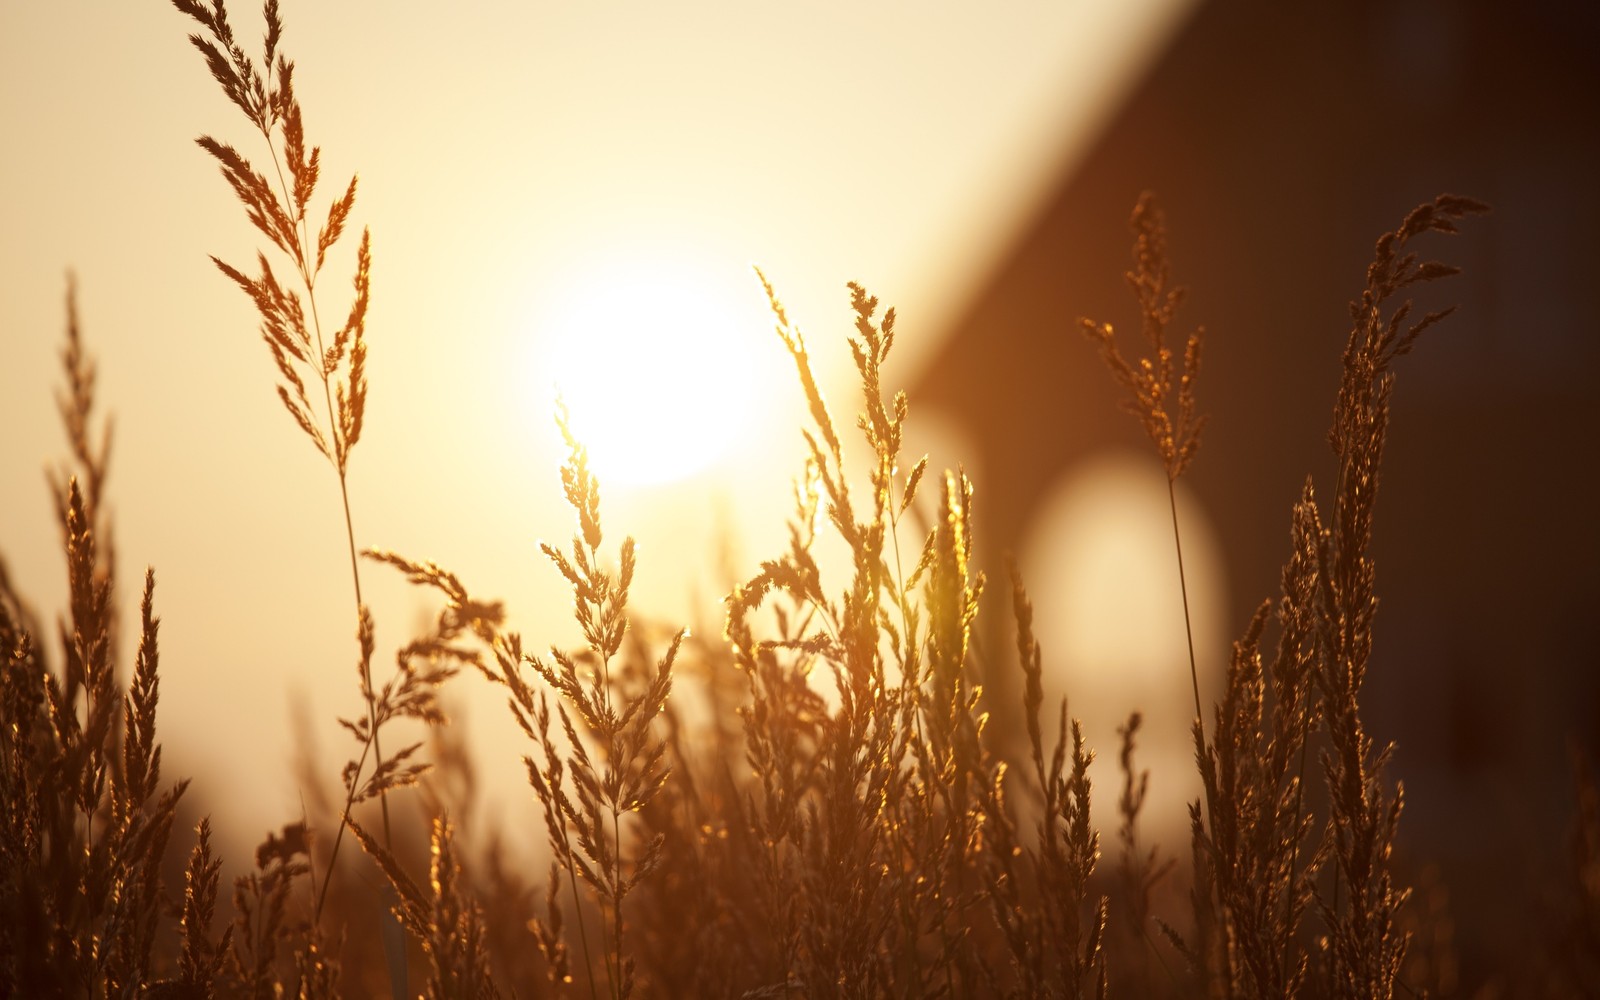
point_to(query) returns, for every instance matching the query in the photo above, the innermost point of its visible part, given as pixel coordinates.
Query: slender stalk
(577, 910)
(612, 939)
(616, 905)
(338, 838)
(1188, 627)
(372, 744)
(310, 279)
(355, 575)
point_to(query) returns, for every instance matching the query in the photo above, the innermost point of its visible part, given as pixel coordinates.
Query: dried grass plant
(86, 818)
(292, 327)
(843, 825)
(1253, 884)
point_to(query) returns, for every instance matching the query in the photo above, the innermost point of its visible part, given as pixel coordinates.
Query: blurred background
(570, 199)
(1282, 139)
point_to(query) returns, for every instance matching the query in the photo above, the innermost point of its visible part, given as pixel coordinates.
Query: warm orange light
(663, 365)
(1103, 574)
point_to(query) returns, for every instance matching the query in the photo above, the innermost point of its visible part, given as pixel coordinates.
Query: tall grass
(845, 825)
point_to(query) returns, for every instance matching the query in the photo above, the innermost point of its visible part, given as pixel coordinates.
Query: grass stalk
(1188, 625)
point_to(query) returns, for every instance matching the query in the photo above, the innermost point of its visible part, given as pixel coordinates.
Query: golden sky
(535, 175)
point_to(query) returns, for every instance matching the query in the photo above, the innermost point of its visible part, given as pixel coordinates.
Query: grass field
(810, 801)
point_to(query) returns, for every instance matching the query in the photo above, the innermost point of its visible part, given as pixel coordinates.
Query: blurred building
(1282, 140)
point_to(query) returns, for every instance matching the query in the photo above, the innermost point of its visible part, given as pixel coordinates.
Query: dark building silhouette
(1282, 139)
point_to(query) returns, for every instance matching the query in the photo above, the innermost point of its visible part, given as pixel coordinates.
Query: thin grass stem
(614, 962)
(583, 931)
(1188, 627)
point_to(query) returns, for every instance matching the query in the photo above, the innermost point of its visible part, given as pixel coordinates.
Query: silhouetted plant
(843, 825)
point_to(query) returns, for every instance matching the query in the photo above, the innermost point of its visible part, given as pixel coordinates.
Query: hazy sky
(531, 173)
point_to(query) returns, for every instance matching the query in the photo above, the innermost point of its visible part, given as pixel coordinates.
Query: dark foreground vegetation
(845, 824)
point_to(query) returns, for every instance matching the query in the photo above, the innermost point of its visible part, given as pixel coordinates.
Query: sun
(662, 364)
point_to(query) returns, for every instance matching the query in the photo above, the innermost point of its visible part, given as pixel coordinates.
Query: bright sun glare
(660, 365)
